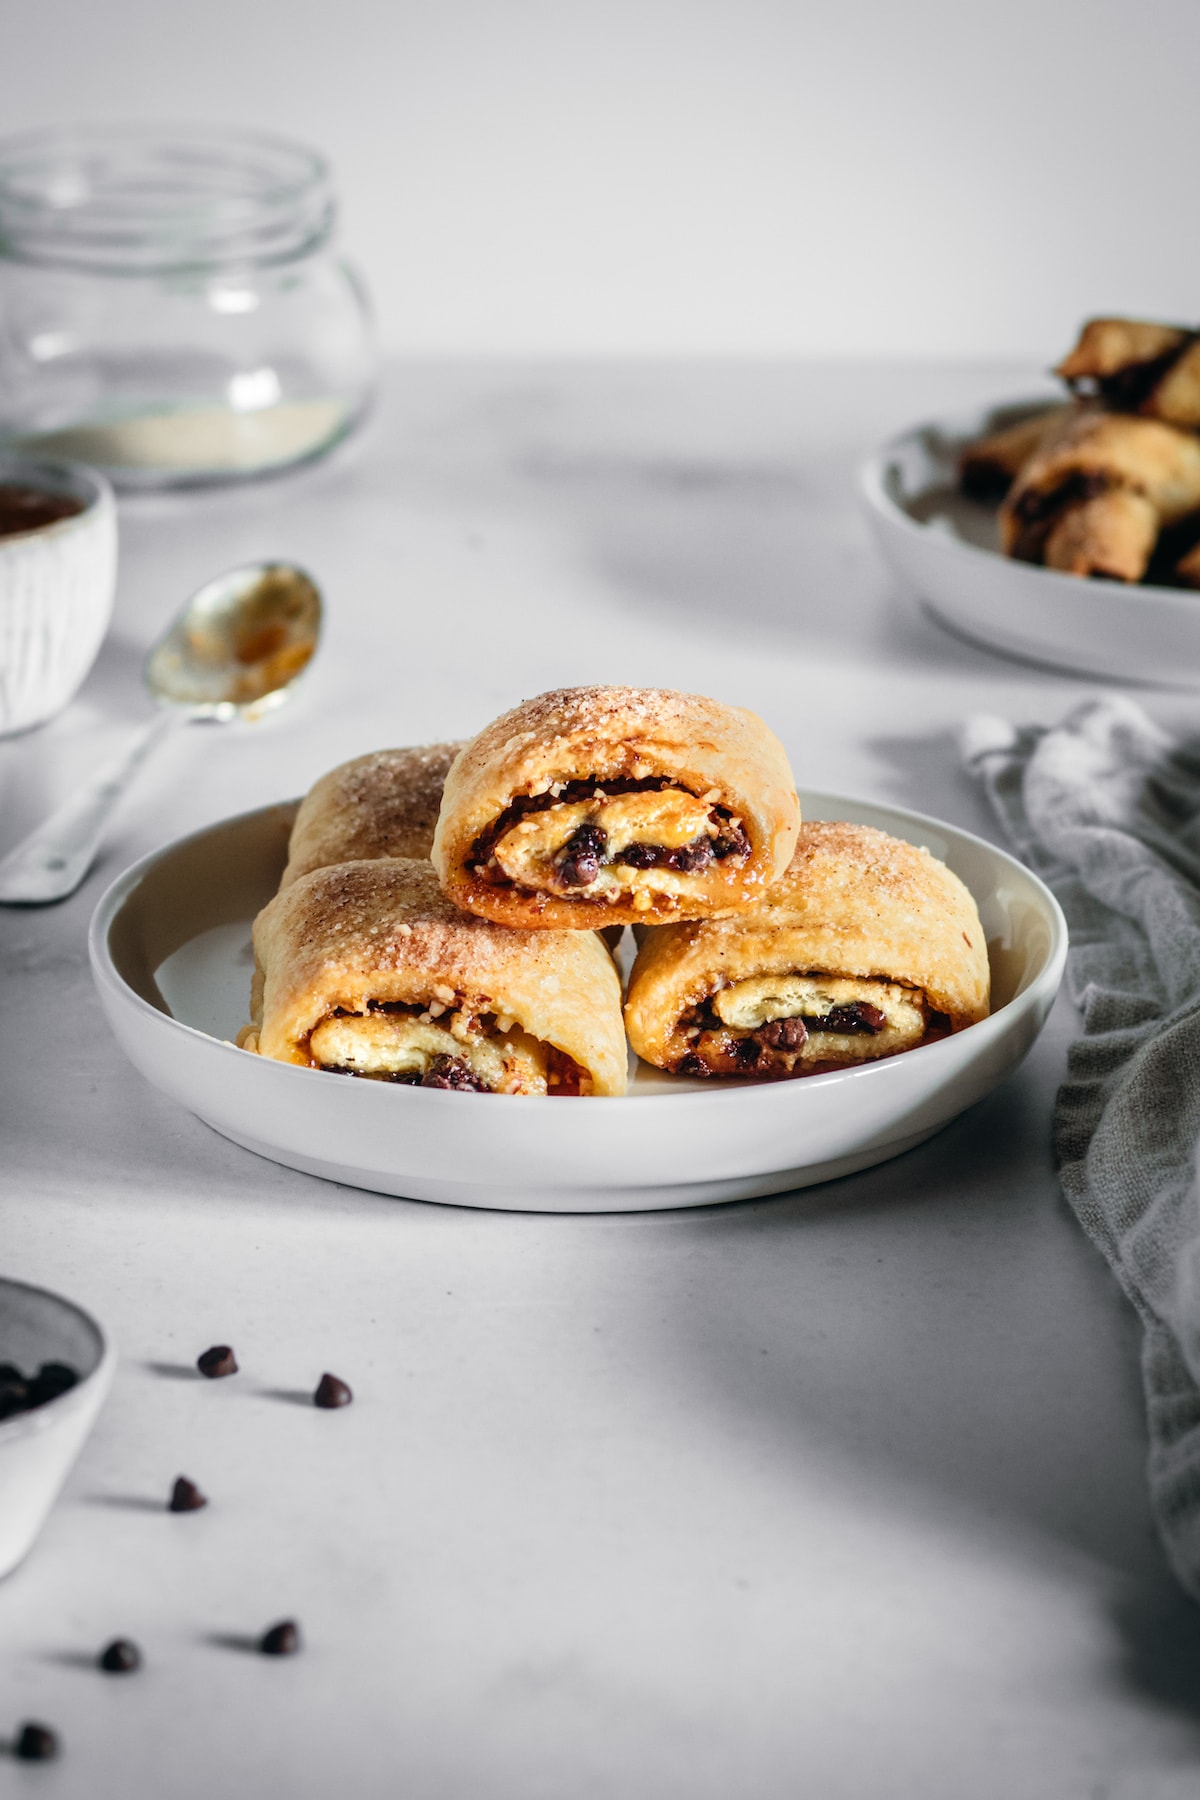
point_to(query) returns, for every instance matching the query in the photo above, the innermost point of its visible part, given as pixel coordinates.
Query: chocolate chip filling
(446, 1072)
(1128, 389)
(770, 1049)
(578, 862)
(1038, 510)
(583, 855)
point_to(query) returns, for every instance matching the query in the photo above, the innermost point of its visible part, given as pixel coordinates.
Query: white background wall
(762, 176)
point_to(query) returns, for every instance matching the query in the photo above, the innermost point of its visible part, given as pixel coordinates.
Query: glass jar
(172, 309)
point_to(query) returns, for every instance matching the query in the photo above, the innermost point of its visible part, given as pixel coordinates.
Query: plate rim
(1044, 984)
(872, 489)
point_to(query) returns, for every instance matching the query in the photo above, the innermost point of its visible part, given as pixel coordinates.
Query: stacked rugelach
(1109, 485)
(468, 957)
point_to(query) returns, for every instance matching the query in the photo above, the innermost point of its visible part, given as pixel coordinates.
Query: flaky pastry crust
(679, 776)
(855, 907)
(356, 939)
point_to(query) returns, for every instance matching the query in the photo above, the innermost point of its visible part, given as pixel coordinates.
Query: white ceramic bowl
(37, 1448)
(170, 954)
(944, 548)
(56, 593)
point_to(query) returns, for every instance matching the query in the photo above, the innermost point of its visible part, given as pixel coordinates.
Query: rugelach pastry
(1136, 366)
(868, 946)
(988, 467)
(1095, 494)
(365, 968)
(383, 804)
(599, 806)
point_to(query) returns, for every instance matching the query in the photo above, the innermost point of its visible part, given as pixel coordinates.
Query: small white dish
(944, 547)
(37, 1448)
(56, 593)
(170, 950)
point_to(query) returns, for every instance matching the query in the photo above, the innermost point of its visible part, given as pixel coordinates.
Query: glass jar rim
(156, 199)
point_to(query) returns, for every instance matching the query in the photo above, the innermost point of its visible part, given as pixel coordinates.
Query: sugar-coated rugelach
(1137, 366)
(988, 467)
(365, 968)
(1095, 494)
(867, 946)
(599, 806)
(383, 804)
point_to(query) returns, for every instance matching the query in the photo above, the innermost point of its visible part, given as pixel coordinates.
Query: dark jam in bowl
(29, 508)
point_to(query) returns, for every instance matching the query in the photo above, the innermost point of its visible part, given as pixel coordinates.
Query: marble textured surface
(836, 1494)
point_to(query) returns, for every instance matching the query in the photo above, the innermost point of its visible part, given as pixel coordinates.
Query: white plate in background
(169, 944)
(944, 547)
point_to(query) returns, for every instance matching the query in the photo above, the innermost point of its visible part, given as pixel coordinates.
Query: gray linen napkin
(1107, 810)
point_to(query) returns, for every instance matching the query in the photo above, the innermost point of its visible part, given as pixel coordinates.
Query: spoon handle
(52, 861)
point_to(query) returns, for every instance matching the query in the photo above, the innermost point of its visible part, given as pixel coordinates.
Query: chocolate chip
(857, 1017)
(281, 1640)
(692, 859)
(784, 1034)
(121, 1657)
(640, 856)
(691, 1064)
(216, 1362)
(331, 1392)
(747, 1051)
(35, 1743)
(731, 839)
(580, 857)
(14, 1396)
(449, 1072)
(21, 1393)
(52, 1379)
(186, 1496)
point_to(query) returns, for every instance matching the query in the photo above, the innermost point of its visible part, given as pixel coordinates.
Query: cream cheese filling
(747, 1005)
(528, 851)
(398, 1044)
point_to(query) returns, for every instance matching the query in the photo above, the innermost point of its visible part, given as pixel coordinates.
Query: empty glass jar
(172, 307)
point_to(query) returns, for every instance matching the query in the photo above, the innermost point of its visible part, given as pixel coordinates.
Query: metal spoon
(233, 652)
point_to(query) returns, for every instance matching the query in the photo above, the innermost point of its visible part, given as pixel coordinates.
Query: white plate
(944, 547)
(170, 949)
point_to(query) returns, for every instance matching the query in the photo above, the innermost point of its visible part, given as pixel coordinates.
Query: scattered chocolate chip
(121, 1657)
(35, 1743)
(746, 1051)
(186, 1496)
(691, 1064)
(216, 1362)
(281, 1640)
(331, 1392)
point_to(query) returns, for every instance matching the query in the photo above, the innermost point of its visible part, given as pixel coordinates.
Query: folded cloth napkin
(1107, 810)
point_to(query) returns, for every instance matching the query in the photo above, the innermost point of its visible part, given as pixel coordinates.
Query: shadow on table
(970, 1346)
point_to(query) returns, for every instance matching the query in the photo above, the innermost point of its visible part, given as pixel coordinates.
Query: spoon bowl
(239, 644)
(235, 651)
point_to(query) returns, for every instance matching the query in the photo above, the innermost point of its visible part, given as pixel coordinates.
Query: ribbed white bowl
(37, 1448)
(56, 594)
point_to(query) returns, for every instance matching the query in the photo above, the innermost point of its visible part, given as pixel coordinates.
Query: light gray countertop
(834, 1494)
